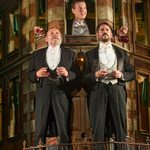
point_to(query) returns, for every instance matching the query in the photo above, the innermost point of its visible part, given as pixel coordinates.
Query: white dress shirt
(107, 61)
(53, 55)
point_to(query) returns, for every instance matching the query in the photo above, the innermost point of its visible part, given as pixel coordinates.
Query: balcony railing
(85, 145)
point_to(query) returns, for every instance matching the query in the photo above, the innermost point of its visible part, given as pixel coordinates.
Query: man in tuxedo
(105, 73)
(53, 70)
(80, 25)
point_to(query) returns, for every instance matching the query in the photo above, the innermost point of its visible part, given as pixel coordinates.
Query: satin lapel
(63, 58)
(44, 58)
(95, 60)
(119, 58)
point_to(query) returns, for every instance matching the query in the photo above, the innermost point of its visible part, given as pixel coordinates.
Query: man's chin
(56, 42)
(83, 17)
(104, 40)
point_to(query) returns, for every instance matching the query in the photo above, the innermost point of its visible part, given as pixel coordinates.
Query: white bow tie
(106, 46)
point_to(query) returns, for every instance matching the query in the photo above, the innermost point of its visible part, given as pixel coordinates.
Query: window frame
(42, 16)
(1, 108)
(80, 39)
(12, 11)
(15, 75)
(147, 22)
(15, 53)
(143, 108)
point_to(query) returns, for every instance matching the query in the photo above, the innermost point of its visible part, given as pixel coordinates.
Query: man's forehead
(80, 4)
(104, 26)
(53, 30)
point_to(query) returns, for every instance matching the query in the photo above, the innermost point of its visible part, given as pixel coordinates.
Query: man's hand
(39, 31)
(101, 73)
(42, 72)
(61, 71)
(116, 74)
(122, 31)
(122, 34)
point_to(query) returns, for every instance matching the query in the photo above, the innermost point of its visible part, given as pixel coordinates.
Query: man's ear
(111, 35)
(72, 10)
(96, 36)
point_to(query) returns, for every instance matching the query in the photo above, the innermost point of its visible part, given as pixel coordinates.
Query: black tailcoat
(107, 103)
(52, 97)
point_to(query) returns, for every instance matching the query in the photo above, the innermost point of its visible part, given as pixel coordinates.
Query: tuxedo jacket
(92, 65)
(90, 23)
(38, 60)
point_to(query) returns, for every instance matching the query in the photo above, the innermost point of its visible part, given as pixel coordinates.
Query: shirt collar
(53, 48)
(105, 45)
(77, 24)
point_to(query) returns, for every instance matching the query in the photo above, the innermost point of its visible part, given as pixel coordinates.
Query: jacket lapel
(119, 58)
(96, 65)
(63, 58)
(44, 58)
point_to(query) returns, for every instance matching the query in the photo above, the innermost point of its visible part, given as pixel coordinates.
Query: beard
(105, 38)
(56, 41)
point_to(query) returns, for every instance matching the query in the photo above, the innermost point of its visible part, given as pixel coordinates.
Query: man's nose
(54, 34)
(82, 10)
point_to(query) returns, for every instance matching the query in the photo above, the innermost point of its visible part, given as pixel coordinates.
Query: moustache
(55, 38)
(105, 34)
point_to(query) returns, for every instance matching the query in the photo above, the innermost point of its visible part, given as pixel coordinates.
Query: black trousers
(51, 98)
(107, 109)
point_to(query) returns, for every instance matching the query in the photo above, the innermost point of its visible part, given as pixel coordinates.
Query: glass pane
(116, 9)
(143, 86)
(41, 21)
(13, 122)
(0, 112)
(0, 36)
(140, 21)
(13, 43)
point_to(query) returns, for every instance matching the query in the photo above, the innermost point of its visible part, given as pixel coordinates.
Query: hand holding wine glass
(61, 71)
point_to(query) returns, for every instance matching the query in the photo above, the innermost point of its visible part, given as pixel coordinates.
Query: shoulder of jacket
(91, 51)
(38, 51)
(90, 19)
(121, 49)
(67, 50)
